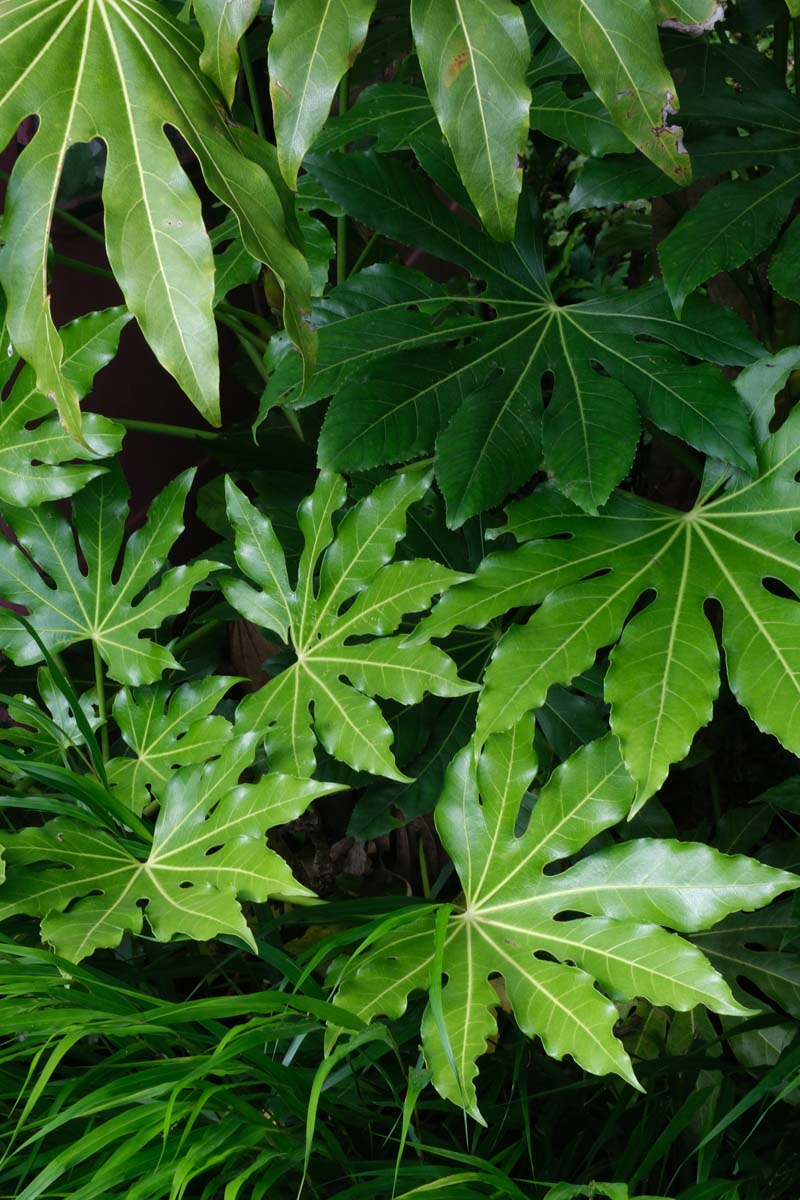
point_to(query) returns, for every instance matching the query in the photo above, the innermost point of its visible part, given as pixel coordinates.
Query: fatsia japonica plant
(399, 598)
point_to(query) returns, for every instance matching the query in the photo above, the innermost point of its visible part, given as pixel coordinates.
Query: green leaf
(580, 121)
(518, 918)
(223, 23)
(688, 16)
(333, 674)
(49, 730)
(752, 948)
(126, 71)
(312, 45)
(589, 573)
(473, 55)
(37, 461)
(208, 854)
(68, 604)
(481, 395)
(615, 43)
(166, 728)
(784, 269)
(731, 223)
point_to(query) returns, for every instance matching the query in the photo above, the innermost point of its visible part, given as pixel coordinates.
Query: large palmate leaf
(553, 936)
(38, 457)
(105, 602)
(615, 43)
(166, 729)
(589, 573)
(479, 400)
(208, 854)
(313, 43)
(473, 55)
(755, 949)
(127, 72)
(337, 670)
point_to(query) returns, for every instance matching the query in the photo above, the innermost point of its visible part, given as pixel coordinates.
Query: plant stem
(252, 90)
(195, 636)
(175, 431)
(251, 350)
(64, 260)
(100, 685)
(341, 222)
(363, 255)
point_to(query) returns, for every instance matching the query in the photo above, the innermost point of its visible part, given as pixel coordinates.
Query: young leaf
(68, 605)
(606, 354)
(166, 728)
(312, 45)
(125, 72)
(223, 23)
(37, 461)
(518, 919)
(587, 574)
(615, 43)
(332, 674)
(473, 55)
(208, 854)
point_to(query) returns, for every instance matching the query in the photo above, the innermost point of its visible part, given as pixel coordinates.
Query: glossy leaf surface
(588, 573)
(312, 45)
(615, 43)
(507, 922)
(208, 854)
(480, 402)
(473, 55)
(127, 72)
(166, 728)
(69, 604)
(326, 694)
(39, 460)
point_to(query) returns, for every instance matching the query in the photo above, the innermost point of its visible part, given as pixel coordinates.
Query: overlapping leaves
(553, 935)
(38, 459)
(340, 618)
(127, 72)
(208, 854)
(165, 729)
(107, 602)
(589, 573)
(472, 386)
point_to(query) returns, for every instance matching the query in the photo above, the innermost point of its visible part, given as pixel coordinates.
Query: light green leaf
(37, 462)
(223, 23)
(166, 729)
(48, 730)
(587, 574)
(473, 55)
(208, 854)
(312, 45)
(615, 43)
(517, 917)
(333, 675)
(67, 606)
(126, 71)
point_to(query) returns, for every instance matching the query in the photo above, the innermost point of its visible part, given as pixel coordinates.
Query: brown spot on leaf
(354, 53)
(456, 65)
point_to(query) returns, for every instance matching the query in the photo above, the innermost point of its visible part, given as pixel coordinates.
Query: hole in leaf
(776, 587)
